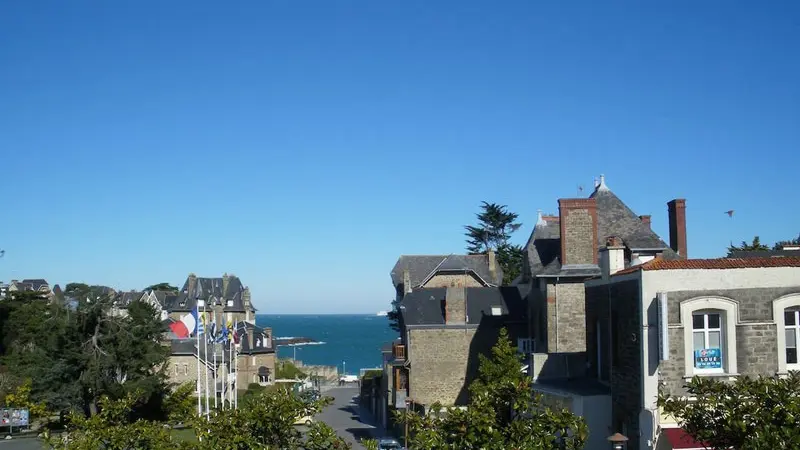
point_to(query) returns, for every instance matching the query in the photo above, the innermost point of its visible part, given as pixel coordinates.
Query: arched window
(709, 332)
(786, 313)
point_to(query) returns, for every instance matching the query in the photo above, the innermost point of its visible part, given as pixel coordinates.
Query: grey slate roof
(424, 306)
(420, 267)
(123, 299)
(614, 218)
(211, 291)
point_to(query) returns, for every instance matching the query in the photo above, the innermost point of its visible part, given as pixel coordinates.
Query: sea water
(351, 342)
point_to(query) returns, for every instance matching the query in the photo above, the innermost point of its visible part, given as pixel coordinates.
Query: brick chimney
(578, 218)
(492, 266)
(677, 226)
(455, 305)
(646, 220)
(226, 281)
(406, 282)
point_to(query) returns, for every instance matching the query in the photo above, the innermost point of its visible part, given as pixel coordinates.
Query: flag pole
(205, 345)
(222, 381)
(197, 384)
(236, 378)
(214, 349)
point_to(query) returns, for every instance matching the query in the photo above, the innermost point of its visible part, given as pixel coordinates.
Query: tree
(510, 258)
(747, 414)
(756, 245)
(495, 226)
(288, 371)
(503, 413)
(778, 245)
(162, 287)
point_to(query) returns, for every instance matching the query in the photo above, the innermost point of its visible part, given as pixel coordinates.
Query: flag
(212, 333)
(236, 332)
(223, 335)
(186, 326)
(201, 326)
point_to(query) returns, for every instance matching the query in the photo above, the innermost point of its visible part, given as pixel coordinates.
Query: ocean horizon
(350, 342)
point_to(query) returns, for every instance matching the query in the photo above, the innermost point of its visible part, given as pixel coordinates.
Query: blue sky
(303, 146)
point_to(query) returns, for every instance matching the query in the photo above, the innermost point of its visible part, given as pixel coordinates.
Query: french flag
(186, 326)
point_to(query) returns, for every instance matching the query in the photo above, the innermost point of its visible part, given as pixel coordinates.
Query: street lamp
(618, 441)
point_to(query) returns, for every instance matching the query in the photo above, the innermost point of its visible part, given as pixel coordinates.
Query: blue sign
(709, 358)
(13, 417)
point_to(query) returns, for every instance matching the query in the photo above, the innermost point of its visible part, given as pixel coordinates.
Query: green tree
(286, 370)
(495, 226)
(114, 428)
(756, 245)
(162, 287)
(747, 414)
(780, 244)
(503, 413)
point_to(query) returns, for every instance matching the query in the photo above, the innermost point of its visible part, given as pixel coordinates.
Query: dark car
(389, 444)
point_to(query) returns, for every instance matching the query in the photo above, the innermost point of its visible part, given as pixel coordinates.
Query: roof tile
(714, 264)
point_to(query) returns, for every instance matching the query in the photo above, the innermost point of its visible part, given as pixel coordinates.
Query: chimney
(250, 337)
(612, 257)
(677, 226)
(493, 266)
(406, 282)
(578, 218)
(455, 305)
(191, 284)
(646, 220)
(226, 280)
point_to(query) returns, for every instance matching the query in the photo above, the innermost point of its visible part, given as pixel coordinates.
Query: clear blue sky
(305, 145)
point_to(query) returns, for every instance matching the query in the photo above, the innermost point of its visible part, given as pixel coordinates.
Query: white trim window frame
(728, 311)
(707, 334)
(788, 304)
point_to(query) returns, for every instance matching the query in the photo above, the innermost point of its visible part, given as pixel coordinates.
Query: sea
(349, 341)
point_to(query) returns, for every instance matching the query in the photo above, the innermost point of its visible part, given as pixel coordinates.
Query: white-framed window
(786, 314)
(186, 369)
(707, 340)
(791, 327)
(263, 379)
(709, 335)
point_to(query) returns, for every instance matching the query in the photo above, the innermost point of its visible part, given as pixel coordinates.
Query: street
(350, 421)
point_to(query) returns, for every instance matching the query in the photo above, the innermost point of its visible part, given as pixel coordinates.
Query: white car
(348, 379)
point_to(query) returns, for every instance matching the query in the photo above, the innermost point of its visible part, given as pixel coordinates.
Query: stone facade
(615, 308)
(183, 369)
(439, 366)
(450, 280)
(566, 318)
(756, 333)
(248, 369)
(578, 219)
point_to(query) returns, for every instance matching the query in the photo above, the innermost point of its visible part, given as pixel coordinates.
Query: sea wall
(328, 373)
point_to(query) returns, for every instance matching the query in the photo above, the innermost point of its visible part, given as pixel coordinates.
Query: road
(350, 421)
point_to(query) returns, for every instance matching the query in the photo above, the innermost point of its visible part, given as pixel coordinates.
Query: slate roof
(421, 267)
(31, 284)
(614, 218)
(210, 290)
(123, 299)
(424, 306)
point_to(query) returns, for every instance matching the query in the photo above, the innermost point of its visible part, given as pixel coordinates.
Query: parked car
(389, 444)
(304, 420)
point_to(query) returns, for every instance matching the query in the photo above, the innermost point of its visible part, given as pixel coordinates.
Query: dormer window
(230, 303)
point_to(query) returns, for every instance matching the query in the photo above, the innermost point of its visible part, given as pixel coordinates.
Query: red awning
(680, 439)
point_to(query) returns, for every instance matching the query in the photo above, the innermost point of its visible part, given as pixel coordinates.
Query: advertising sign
(709, 358)
(13, 417)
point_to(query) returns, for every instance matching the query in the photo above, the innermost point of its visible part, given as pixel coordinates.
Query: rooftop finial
(601, 186)
(540, 222)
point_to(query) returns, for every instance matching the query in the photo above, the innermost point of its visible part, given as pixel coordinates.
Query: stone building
(663, 322)
(444, 331)
(225, 298)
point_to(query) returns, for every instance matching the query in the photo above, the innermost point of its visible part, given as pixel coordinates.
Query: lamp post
(618, 441)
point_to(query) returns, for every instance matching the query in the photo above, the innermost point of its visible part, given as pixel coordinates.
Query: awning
(680, 439)
(263, 371)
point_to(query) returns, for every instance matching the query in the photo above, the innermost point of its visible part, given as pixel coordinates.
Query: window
(525, 346)
(786, 314)
(709, 336)
(186, 369)
(497, 311)
(176, 369)
(263, 379)
(707, 341)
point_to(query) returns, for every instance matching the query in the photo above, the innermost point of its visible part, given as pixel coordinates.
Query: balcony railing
(399, 352)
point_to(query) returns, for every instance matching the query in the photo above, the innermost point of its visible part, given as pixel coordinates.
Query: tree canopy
(161, 287)
(757, 245)
(747, 414)
(503, 413)
(495, 226)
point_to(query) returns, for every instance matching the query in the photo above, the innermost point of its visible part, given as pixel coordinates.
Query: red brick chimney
(645, 220)
(677, 225)
(578, 220)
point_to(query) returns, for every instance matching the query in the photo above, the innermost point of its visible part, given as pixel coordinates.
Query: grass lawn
(184, 435)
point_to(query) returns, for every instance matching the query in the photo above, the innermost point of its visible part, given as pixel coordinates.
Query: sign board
(13, 417)
(708, 358)
(663, 327)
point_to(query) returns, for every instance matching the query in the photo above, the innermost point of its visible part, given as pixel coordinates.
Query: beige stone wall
(329, 373)
(183, 369)
(248, 368)
(566, 317)
(442, 364)
(442, 280)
